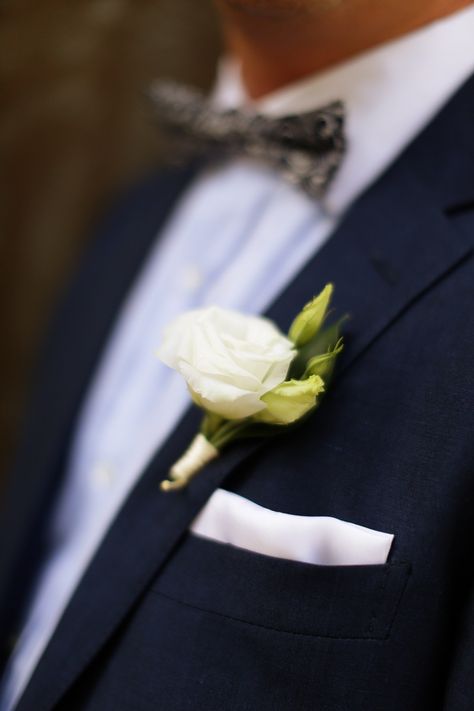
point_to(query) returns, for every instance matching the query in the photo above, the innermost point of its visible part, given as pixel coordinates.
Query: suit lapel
(393, 245)
(78, 336)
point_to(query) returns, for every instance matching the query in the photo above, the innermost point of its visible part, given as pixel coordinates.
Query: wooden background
(74, 129)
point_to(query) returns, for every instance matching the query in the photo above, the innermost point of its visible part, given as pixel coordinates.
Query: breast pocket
(341, 602)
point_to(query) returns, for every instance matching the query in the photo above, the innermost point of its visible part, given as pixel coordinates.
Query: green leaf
(290, 401)
(308, 322)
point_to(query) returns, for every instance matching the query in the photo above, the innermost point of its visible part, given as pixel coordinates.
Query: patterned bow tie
(305, 149)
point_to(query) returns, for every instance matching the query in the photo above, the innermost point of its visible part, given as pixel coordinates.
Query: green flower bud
(308, 322)
(323, 364)
(290, 401)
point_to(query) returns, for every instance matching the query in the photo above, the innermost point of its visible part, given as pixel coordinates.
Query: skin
(280, 41)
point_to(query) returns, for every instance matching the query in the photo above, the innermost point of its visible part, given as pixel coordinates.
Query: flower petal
(290, 401)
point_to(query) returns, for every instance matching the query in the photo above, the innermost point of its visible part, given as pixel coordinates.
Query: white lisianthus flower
(237, 369)
(229, 360)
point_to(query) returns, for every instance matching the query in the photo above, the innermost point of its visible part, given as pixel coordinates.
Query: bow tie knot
(305, 149)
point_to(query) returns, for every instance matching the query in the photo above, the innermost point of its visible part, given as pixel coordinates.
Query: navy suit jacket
(164, 620)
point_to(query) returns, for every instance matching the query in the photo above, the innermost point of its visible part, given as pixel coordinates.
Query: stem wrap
(199, 453)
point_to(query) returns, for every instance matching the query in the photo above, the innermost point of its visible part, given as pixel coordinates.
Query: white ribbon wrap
(199, 453)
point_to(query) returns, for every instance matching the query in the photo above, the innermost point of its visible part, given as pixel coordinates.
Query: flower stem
(227, 432)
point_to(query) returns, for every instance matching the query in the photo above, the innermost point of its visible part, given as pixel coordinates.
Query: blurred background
(75, 130)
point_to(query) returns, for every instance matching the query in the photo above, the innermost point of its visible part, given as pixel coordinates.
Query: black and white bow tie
(305, 149)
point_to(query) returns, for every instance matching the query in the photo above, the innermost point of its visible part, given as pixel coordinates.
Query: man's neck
(280, 41)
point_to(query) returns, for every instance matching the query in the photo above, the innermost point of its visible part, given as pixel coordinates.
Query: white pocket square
(320, 540)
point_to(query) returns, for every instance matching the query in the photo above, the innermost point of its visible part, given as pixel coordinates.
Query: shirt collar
(391, 92)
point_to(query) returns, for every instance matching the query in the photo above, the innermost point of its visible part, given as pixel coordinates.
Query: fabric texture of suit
(165, 620)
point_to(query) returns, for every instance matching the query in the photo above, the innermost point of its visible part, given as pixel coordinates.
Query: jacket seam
(266, 627)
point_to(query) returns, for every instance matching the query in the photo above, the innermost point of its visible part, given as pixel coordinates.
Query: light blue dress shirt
(237, 237)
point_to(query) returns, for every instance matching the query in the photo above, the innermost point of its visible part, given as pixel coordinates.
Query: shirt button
(103, 475)
(192, 277)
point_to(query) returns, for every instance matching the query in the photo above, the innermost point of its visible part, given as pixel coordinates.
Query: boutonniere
(248, 377)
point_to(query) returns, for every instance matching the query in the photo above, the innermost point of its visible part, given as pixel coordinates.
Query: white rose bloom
(228, 360)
